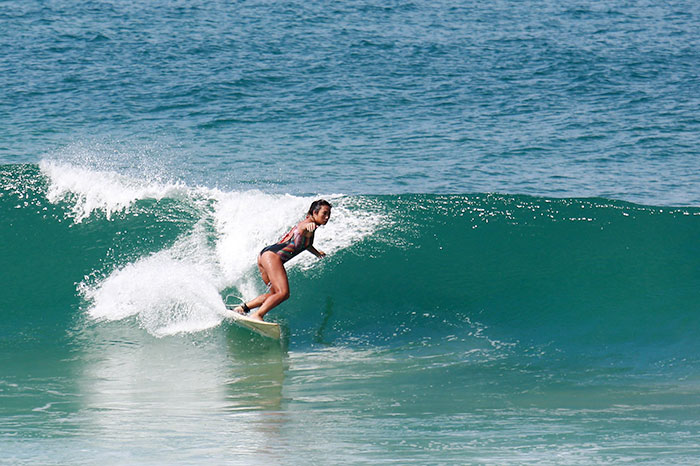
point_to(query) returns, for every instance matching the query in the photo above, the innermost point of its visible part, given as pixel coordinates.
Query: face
(321, 217)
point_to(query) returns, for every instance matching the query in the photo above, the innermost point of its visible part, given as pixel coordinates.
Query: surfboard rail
(266, 329)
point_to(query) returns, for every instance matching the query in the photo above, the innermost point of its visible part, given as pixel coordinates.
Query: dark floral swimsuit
(291, 244)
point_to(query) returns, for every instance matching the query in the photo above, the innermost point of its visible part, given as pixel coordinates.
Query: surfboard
(266, 329)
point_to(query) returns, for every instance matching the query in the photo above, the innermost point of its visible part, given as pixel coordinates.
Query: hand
(321, 254)
(310, 227)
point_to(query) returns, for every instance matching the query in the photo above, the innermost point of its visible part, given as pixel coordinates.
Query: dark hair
(316, 206)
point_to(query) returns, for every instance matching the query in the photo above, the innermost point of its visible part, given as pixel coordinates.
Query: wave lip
(90, 190)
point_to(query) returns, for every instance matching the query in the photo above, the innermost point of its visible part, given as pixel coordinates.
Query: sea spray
(178, 288)
(171, 291)
(557, 273)
(89, 191)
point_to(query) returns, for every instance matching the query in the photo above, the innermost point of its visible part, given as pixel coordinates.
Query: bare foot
(255, 316)
(239, 310)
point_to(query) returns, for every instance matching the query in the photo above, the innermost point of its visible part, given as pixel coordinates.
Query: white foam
(92, 190)
(178, 289)
(247, 222)
(175, 290)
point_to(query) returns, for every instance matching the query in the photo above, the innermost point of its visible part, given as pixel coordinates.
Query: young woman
(271, 260)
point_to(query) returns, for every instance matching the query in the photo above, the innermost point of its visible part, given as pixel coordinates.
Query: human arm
(309, 227)
(316, 252)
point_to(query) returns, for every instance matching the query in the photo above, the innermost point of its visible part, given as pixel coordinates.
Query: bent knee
(282, 295)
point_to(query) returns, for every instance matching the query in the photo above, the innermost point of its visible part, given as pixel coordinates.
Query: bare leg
(275, 276)
(256, 302)
(272, 269)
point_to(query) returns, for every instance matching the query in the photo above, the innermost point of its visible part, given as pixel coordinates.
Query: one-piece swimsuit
(291, 244)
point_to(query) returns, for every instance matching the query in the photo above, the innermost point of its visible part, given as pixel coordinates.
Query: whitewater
(512, 272)
(574, 316)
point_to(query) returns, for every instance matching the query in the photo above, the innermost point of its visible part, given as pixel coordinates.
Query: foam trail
(178, 289)
(175, 290)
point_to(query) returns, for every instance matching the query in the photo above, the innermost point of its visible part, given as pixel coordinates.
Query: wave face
(580, 279)
(550, 324)
(461, 326)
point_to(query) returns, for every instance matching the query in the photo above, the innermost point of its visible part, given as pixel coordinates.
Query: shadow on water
(327, 314)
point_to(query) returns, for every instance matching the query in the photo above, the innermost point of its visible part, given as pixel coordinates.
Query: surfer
(272, 258)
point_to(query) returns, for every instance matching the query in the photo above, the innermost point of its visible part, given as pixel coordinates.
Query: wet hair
(316, 206)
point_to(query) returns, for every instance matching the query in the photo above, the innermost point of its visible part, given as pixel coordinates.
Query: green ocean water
(477, 329)
(513, 269)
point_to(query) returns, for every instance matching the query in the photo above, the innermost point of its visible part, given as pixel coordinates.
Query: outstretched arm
(316, 252)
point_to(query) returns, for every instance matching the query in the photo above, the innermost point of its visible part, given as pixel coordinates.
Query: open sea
(513, 269)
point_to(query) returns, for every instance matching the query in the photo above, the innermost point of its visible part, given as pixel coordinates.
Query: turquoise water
(513, 270)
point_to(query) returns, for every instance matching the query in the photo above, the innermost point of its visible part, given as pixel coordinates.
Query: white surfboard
(266, 329)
